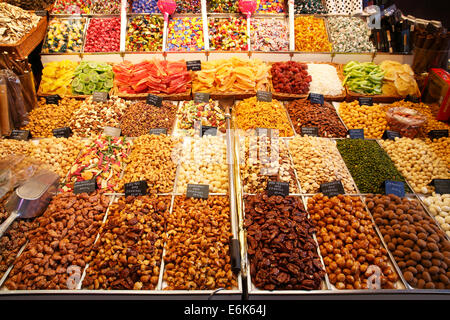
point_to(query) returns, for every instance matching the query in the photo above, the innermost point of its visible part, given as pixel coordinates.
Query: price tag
(368, 101)
(87, 186)
(275, 188)
(200, 97)
(208, 131)
(64, 132)
(20, 135)
(264, 96)
(112, 132)
(394, 187)
(158, 131)
(331, 189)
(154, 100)
(412, 98)
(100, 96)
(391, 135)
(441, 186)
(356, 133)
(197, 191)
(52, 99)
(137, 188)
(194, 65)
(316, 98)
(310, 131)
(41, 13)
(436, 134)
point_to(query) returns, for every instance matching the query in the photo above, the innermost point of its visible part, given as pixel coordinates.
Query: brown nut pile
(197, 250)
(92, 117)
(58, 154)
(140, 117)
(154, 159)
(303, 113)
(60, 244)
(264, 159)
(282, 251)
(417, 243)
(47, 117)
(128, 254)
(348, 242)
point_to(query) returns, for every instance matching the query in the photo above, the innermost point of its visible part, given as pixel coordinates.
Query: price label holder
(158, 131)
(194, 65)
(197, 191)
(310, 131)
(264, 96)
(87, 186)
(41, 13)
(52, 99)
(316, 98)
(112, 131)
(412, 98)
(394, 187)
(441, 186)
(365, 101)
(333, 188)
(100, 96)
(200, 97)
(136, 188)
(64, 132)
(436, 134)
(275, 188)
(356, 133)
(20, 134)
(208, 131)
(390, 135)
(154, 100)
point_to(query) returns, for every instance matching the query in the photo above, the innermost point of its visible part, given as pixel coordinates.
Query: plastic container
(405, 121)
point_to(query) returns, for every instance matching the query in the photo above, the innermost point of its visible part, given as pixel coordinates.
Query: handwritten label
(316, 98)
(436, 134)
(394, 187)
(52, 99)
(275, 188)
(441, 186)
(100, 96)
(200, 97)
(264, 96)
(367, 101)
(111, 131)
(356, 133)
(20, 135)
(331, 189)
(194, 65)
(87, 186)
(64, 132)
(136, 188)
(208, 131)
(391, 135)
(197, 191)
(310, 131)
(158, 131)
(154, 100)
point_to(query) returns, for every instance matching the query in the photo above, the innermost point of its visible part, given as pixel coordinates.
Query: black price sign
(200, 97)
(436, 134)
(41, 13)
(331, 189)
(87, 186)
(264, 96)
(391, 135)
(64, 132)
(158, 131)
(208, 131)
(20, 135)
(275, 188)
(316, 98)
(154, 100)
(112, 132)
(441, 186)
(194, 65)
(394, 187)
(368, 101)
(412, 98)
(100, 96)
(197, 191)
(356, 133)
(52, 99)
(137, 188)
(310, 131)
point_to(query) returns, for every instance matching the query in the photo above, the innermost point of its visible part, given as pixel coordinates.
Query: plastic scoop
(32, 198)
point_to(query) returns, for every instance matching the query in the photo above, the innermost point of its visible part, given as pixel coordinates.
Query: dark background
(426, 9)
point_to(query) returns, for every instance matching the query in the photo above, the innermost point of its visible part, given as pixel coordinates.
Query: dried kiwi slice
(109, 84)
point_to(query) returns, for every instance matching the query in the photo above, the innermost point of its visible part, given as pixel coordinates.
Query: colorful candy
(269, 6)
(145, 6)
(228, 34)
(311, 35)
(270, 35)
(145, 33)
(103, 35)
(185, 34)
(72, 7)
(309, 6)
(105, 7)
(64, 35)
(223, 6)
(188, 6)
(349, 34)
